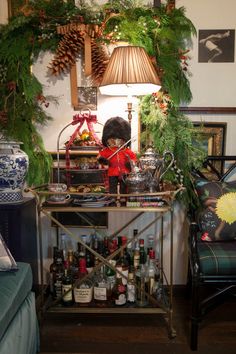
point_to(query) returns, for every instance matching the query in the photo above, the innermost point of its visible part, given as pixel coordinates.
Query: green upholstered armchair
(212, 239)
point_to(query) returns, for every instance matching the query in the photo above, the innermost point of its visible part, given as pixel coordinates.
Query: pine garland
(164, 32)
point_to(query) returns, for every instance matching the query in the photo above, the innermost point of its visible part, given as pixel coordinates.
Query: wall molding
(208, 110)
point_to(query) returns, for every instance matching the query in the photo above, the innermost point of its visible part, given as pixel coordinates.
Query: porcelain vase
(13, 170)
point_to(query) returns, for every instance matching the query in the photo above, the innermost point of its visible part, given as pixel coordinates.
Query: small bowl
(57, 187)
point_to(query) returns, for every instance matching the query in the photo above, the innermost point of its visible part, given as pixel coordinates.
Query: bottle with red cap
(83, 289)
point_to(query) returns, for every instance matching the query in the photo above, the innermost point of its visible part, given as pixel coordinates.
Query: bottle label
(84, 295)
(100, 294)
(130, 292)
(67, 296)
(121, 300)
(111, 280)
(58, 289)
(124, 280)
(89, 269)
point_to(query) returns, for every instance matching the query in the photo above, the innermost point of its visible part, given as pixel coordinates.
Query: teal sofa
(18, 320)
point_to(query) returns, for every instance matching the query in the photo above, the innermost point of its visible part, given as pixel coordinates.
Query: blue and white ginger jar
(14, 165)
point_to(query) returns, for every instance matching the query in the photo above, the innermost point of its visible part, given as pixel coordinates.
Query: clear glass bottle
(63, 245)
(100, 290)
(83, 289)
(119, 292)
(153, 274)
(141, 280)
(131, 289)
(122, 262)
(111, 277)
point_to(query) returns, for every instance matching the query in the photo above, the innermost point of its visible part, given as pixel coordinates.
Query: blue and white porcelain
(14, 165)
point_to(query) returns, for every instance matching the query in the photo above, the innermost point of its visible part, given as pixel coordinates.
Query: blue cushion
(14, 287)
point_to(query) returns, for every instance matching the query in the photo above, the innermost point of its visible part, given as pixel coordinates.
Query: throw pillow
(212, 227)
(7, 262)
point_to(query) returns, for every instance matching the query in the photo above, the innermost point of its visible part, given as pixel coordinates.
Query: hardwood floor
(139, 334)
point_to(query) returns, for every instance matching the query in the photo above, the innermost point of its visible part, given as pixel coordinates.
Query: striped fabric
(217, 258)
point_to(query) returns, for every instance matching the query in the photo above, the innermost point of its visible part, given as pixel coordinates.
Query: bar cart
(164, 304)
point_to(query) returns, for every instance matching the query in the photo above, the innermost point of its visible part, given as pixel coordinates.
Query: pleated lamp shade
(129, 72)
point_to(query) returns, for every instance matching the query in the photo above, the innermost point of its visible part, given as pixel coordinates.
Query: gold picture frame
(212, 137)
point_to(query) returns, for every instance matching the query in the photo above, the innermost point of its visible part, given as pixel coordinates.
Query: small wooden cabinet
(19, 230)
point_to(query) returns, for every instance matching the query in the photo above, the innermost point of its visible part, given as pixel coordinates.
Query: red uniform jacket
(118, 164)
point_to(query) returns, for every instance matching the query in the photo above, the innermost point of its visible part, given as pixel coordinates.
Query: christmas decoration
(69, 31)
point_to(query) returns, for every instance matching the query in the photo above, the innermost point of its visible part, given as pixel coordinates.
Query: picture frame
(87, 97)
(212, 137)
(216, 45)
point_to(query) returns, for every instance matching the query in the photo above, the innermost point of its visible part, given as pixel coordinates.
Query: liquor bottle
(150, 245)
(82, 248)
(59, 272)
(111, 277)
(136, 259)
(72, 264)
(89, 257)
(52, 270)
(100, 292)
(122, 263)
(119, 292)
(67, 296)
(106, 251)
(127, 256)
(83, 289)
(141, 282)
(153, 274)
(142, 252)
(63, 245)
(131, 296)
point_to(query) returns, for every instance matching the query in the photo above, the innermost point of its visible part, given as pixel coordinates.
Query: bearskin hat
(116, 127)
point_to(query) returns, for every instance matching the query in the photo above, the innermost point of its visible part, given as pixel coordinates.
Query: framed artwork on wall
(216, 46)
(212, 137)
(87, 97)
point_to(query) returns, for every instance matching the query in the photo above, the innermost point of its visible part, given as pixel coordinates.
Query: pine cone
(69, 47)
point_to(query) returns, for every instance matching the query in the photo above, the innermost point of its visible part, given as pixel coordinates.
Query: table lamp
(130, 72)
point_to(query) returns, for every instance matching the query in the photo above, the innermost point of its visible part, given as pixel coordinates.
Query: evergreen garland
(164, 32)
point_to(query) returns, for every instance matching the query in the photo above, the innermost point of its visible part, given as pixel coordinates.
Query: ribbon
(80, 119)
